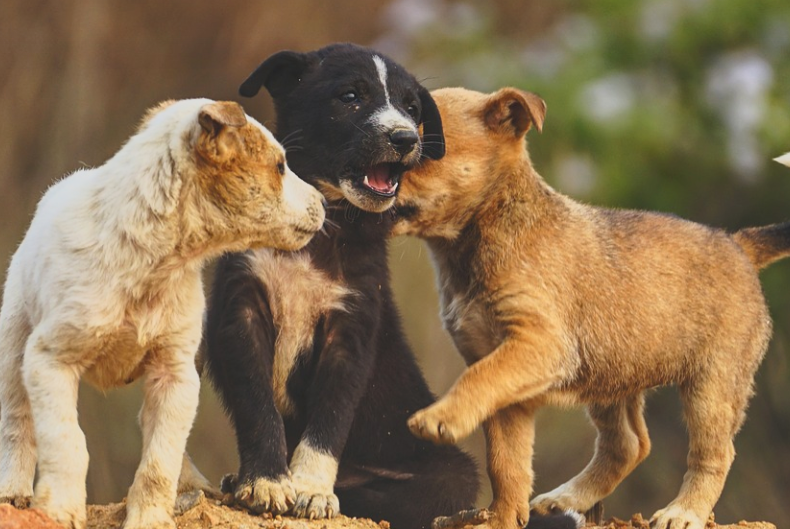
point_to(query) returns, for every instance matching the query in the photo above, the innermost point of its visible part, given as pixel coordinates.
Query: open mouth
(382, 179)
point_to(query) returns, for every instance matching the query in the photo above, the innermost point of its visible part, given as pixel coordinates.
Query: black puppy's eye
(413, 111)
(281, 168)
(349, 97)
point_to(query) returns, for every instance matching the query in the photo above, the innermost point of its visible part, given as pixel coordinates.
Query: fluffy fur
(106, 285)
(555, 302)
(306, 349)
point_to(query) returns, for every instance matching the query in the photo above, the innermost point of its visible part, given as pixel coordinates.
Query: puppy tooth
(366, 181)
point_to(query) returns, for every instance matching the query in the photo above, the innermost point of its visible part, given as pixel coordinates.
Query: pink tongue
(379, 177)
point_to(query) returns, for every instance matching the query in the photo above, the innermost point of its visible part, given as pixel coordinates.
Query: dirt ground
(200, 512)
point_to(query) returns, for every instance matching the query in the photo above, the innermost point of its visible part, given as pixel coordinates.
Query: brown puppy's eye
(281, 168)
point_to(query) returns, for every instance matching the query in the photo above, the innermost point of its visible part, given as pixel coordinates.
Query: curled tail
(766, 244)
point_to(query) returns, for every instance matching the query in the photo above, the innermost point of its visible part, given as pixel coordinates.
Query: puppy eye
(349, 97)
(413, 111)
(281, 168)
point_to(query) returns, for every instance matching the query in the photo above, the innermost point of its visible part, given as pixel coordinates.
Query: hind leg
(622, 443)
(17, 437)
(714, 413)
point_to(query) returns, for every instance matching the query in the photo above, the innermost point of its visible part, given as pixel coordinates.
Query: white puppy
(106, 284)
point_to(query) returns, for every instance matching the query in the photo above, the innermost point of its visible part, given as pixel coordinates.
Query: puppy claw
(20, 502)
(266, 496)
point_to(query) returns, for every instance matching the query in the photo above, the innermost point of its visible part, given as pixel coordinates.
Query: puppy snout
(404, 140)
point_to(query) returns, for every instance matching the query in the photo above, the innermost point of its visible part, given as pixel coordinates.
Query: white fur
(106, 284)
(388, 117)
(313, 475)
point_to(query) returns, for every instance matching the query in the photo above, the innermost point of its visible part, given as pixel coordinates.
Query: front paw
(261, 495)
(18, 501)
(314, 501)
(676, 517)
(148, 518)
(440, 425)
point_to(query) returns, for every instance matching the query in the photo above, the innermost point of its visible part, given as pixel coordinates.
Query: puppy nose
(403, 140)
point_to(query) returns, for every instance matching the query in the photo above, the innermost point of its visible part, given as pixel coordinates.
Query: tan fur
(555, 302)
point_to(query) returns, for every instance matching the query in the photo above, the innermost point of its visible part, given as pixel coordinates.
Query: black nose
(404, 140)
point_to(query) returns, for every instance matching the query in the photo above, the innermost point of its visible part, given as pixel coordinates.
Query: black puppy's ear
(432, 130)
(280, 74)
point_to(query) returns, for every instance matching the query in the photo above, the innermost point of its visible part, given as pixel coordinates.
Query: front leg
(169, 407)
(62, 453)
(239, 352)
(519, 369)
(341, 378)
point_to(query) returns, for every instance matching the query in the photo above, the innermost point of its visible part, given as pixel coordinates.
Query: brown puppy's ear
(512, 111)
(214, 117)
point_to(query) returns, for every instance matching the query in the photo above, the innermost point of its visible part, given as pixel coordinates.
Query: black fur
(355, 389)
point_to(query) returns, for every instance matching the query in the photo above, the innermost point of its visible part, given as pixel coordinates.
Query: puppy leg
(714, 413)
(169, 408)
(192, 479)
(516, 371)
(510, 436)
(622, 444)
(17, 437)
(240, 341)
(62, 454)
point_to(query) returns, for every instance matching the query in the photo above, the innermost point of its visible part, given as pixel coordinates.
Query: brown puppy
(555, 302)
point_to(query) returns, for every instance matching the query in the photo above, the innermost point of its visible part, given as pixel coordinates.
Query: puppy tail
(766, 244)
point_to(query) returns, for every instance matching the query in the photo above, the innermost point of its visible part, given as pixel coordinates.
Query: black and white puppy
(306, 349)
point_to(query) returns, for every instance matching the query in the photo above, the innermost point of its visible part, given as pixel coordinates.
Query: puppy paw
(263, 495)
(676, 517)
(148, 518)
(314, 501)
(559, 499)
(18, 501)
(67, 508)
(435, 424)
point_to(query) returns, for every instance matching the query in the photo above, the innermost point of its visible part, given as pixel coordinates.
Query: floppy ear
(219, 121)
(432, 130)
(280, 74)
(512, 111)
(214, 117)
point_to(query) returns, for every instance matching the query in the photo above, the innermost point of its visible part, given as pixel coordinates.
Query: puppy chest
(469, 322)
(299, 295)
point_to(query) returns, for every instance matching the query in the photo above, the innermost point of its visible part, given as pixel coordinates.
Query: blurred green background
(674, 105)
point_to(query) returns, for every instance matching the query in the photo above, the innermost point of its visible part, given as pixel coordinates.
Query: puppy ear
(512, 111)
(432, 130)
(214, 117)
(280, 74)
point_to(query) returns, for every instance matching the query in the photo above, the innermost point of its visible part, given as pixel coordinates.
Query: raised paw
(436, 425)
(263, 495)
(314, 502)
(676, 517)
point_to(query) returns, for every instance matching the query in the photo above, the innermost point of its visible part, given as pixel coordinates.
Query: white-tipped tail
(784, 159)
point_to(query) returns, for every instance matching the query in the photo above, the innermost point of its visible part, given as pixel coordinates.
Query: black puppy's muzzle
(404, 140)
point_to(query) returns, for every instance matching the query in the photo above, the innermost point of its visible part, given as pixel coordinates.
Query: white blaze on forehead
(388, 117)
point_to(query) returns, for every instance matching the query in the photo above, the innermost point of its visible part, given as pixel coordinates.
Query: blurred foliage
(673, 105)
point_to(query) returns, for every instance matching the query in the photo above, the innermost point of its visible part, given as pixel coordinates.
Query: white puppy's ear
(513, 111)
(214, 117)
(219, 122)
(784, 159)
